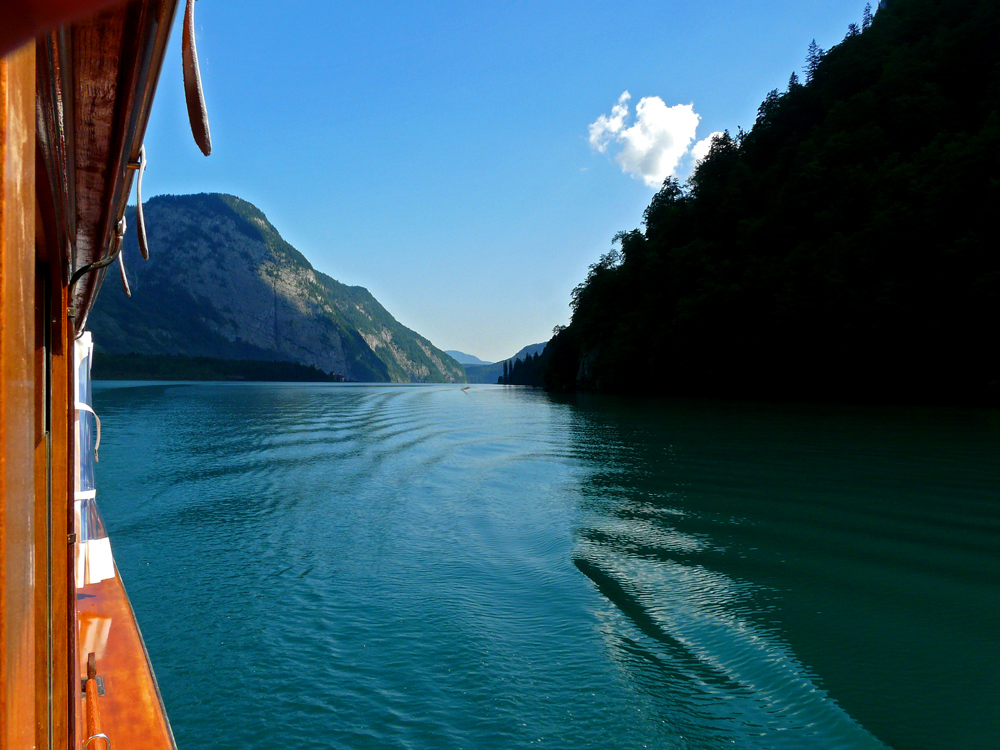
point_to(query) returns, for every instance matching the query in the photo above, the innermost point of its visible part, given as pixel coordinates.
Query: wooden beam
(17, 398)
(42, 531)
(65, 680)
(54, 596)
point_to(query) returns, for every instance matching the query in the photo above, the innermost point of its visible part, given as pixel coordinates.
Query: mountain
(842, 249)
(489, 373)
(222, 283)
(529, 351)
(465, 359)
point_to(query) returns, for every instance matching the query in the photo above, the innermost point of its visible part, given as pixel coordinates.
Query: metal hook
(140, 219)
(98, 736)
(96, 265)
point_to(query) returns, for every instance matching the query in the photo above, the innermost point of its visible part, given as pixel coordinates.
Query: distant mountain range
(222, 283)
(465, 359)
(489, 373)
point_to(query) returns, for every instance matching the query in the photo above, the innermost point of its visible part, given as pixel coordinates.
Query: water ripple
(426, 567)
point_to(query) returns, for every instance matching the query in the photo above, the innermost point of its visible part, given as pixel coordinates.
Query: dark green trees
(813, 58)
(844, 248)
(529, 371)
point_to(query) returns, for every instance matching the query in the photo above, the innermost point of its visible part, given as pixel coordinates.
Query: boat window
(94, 561)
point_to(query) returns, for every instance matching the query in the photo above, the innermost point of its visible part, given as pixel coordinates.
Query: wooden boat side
(73, 111)
(17, 401)
(131, 707)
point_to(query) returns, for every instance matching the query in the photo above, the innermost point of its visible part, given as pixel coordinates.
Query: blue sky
(443, 155)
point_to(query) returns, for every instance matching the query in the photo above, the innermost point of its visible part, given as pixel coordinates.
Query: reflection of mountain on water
(739, 544)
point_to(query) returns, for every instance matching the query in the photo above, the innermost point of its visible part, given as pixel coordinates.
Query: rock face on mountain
(221, 282)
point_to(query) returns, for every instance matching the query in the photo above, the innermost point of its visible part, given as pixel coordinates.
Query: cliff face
(221, 282)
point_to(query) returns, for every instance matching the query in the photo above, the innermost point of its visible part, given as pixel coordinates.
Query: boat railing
(92, 689)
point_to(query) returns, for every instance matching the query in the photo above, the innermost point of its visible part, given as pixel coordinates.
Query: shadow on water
(799, 574)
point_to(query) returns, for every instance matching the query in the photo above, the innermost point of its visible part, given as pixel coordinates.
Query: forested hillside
(491, 373)
(844, 248)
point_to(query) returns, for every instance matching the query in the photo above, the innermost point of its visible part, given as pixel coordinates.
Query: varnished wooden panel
(131, 712)
(97, 46)
(17, 398)
(53, 495)
(43, 668)
(55, 597)
(63, 588)
(116, 62)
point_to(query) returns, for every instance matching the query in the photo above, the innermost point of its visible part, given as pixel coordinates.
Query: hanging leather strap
(193, 93)
(121, 268)
(140, 218)
(120, 239)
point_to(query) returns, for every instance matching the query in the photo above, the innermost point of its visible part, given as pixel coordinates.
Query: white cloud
(700, 150)
(653, 147)
(604, 129)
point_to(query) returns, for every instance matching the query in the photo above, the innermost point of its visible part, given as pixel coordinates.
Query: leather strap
(193, 93)
(121, 268)
(140, 218)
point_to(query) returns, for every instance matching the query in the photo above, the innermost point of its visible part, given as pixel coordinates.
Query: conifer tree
(793, 82)
(768, 107)
(813, 58)
(866, 18)
(752, 262)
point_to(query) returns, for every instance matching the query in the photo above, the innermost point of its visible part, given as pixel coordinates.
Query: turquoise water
(346, 566)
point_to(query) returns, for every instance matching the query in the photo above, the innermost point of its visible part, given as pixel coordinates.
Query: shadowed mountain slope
(221, 282)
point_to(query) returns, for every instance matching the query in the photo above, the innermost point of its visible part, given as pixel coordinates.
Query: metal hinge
(100, 685)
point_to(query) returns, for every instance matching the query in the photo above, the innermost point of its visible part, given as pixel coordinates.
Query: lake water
(344, 566)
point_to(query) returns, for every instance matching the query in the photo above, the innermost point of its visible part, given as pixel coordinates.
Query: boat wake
(692, 639)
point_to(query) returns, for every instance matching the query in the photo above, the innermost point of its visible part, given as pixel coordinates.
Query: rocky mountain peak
(221, 282)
